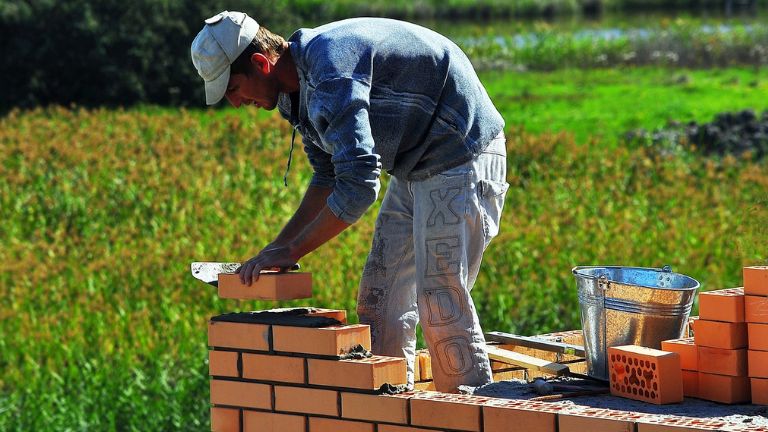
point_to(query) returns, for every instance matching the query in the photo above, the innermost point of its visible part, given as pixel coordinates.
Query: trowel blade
(208, 272)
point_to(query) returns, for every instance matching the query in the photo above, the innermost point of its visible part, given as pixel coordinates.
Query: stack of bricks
(715, 360)
(756, 312)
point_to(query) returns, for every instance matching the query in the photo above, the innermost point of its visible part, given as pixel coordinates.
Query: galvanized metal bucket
(630, 306)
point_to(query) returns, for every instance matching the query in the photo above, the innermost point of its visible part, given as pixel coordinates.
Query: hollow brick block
(306, 400)
(393, 428)
(756, 308)
(317, 424)
(366, 374)
(260, 421)
(376, 408)
(759, 387)
(723, 388)
(273, 368)
(717, 334)
(685, 347)
(241, 394)
(225, 419)
(690, 383)
(758, 364)
(223, 363)
(524, 415)
(722, 305)
(447, 411)
(270, 286)
(756, 280)
(645, 374)
(758, 336)
(238, 335)
(329, 341)
(723, 361)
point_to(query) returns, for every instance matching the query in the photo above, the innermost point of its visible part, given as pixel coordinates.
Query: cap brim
(215, 89)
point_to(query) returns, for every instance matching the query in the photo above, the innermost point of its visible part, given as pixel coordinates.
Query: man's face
(259, 88)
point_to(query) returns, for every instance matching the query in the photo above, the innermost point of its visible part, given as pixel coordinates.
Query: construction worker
(368, 94)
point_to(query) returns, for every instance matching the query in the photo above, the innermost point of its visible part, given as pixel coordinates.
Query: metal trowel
(208, 272)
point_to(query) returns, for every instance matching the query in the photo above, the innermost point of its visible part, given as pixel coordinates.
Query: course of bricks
(284, 376)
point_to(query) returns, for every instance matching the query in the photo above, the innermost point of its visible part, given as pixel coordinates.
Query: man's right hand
(272, 257)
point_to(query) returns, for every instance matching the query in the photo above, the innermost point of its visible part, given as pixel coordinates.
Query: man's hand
(273, 257)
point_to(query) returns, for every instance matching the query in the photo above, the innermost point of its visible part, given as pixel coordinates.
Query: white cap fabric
(224, 37)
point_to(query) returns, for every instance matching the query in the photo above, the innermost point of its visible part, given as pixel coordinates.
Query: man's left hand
(273, 257)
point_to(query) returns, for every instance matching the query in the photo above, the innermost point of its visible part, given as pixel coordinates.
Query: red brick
(266, 367)
(756, 309)
(578, 419)
(317, 424)
(377, 408)
(447, 411)
(225, 419)
(758, 364)
(241, 394)
(259, 421)
(270, 286)
(425, 386)
(338, 315)
(690, 383)
(330, 341)
(689, 355)
(307, 401)
(679, 424)
(756, 280)
(366, 374)
(645, 374)
(723, 388)
(758, 336)
(717, 334)
(392, 428)
(223, 363)
(759, 391)
(723, 361)
(238, 335)
(498, 417)
(722, 305)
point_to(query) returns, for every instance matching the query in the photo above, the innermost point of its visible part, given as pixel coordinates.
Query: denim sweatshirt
(378, 93)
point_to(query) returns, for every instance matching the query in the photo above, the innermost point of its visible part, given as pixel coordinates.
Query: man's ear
(261, 63)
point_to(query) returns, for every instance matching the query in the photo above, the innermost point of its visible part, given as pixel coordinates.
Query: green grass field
(105, 329)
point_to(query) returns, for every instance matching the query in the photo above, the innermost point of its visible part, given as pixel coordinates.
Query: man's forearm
(311, 205)
(323, 228)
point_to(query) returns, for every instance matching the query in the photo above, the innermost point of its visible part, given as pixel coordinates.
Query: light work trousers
(425, 256)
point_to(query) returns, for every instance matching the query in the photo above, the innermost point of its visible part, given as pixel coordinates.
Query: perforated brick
(269, 286)
(645, 374)
(225, 419)
(723, 388)
(722, 305)
(756, 309)
(685, 347)
(329, 341)
(366, 374)
(717, 334)
(723, 361)
(259, 421)
(756, 280)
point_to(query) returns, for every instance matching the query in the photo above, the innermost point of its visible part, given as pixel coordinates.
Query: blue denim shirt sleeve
(322, 166)
(339, 111)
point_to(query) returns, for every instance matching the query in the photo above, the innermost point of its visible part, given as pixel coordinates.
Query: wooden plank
(526, 361)
(537, 343)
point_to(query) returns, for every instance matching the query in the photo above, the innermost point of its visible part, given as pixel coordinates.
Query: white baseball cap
(224, 37)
